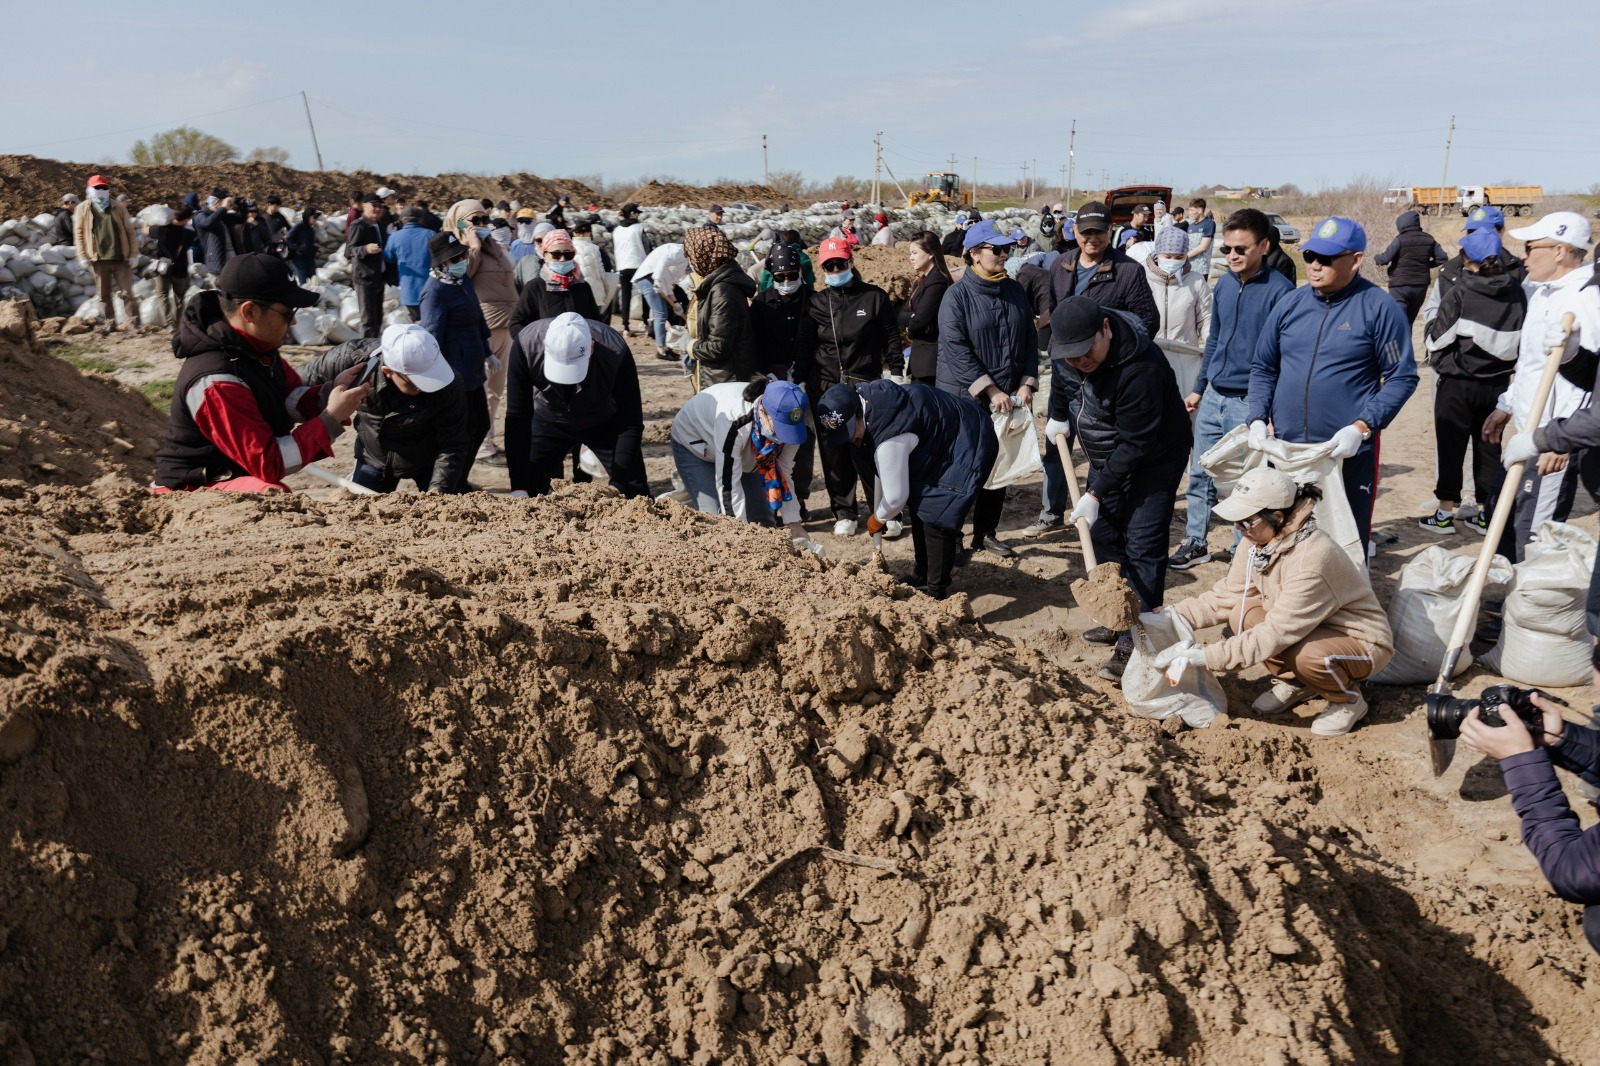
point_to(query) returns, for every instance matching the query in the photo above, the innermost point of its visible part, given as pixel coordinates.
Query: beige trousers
(109, 272)
(1327, 662)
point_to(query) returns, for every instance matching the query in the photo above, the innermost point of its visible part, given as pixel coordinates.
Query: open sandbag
(1423, 612)
(1543, 639)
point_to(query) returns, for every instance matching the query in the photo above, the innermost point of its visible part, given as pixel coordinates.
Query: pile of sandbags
(48, 275)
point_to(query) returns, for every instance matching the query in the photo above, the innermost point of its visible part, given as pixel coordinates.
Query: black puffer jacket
(851, 335)
(542, 299)
(1118, 284)
(1128, 411)
(421, 438)
(724, 341)
(920, 320)
(775, 322)
(1412, 255)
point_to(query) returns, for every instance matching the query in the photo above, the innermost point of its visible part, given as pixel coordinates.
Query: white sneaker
(1339, 718)
(844, 527)
(893, 529)
(1280, 697)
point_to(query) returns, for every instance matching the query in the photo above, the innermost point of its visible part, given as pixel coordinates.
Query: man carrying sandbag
(102, 231)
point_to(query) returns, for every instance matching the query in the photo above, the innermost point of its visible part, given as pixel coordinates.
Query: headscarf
(559, 238)
(461, 211)
(1170, 240)
(706, 249)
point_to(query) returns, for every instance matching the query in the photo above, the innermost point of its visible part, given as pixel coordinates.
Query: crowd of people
(1150, 366)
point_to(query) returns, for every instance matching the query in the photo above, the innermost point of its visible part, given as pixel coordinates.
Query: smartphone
(366, 374)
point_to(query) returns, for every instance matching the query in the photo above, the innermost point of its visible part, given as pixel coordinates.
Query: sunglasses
(1237, 249)
(835, 266)
(1247, 524)
(561, 255)
(1539, 247)
(1318, 259)
(479, 220)
(1002, 250)
(787, 275)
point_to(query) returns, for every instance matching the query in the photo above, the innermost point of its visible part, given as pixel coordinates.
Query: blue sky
(1186, 92)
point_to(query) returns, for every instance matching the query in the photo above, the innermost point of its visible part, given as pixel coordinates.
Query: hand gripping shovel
(1439, 750)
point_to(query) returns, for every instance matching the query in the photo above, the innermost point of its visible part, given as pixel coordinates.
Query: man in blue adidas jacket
(1334, 363)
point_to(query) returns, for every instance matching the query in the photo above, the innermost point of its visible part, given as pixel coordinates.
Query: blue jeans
(658, 308)
(700, 482)
(1216, 415)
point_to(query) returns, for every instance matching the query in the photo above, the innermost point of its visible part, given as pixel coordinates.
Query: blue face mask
(839, 280)
(457, 269)
(562, 266)
(483, 234)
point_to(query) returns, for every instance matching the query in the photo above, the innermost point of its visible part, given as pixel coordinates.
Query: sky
(1178, 92)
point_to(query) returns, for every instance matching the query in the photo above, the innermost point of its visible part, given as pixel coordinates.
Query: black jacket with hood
(775, 326)
(1476, 330)
(1412, 255)
(1128, 411)
(724, 341)
(851, 335)
(422, 438)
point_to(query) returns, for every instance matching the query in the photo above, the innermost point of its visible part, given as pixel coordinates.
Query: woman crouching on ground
(1297, 602)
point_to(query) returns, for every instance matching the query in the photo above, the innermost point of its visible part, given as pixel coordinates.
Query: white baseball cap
(1261, 489)
(1567, 227)
(567, 347)
(412, 351)
(384, 192)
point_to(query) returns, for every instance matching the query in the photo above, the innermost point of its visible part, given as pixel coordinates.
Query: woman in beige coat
(492, 272)
(1297, 603)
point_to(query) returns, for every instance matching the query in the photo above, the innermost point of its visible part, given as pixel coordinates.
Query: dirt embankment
(671, 194)
(29, 185)
(292, 781)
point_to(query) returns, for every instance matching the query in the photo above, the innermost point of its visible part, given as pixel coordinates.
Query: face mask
(788, 288)
(525, 232)
(562, 266)
(1170, 266)
(483, 234)
(100, 197)
(839, 280)
(458, 269)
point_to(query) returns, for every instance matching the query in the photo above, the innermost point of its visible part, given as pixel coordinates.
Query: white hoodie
(627, 246)
(1547, 302)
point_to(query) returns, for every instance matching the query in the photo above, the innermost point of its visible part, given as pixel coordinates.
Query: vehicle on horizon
(1287, 234)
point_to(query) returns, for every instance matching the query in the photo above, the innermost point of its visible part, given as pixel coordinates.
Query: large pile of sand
(672, 194)
(423, 779)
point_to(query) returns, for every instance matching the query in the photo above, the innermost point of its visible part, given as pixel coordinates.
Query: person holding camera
(1297, 602)
(1568, 855)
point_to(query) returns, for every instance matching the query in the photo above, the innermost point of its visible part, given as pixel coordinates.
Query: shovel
(1441, 751)
(1101, 592)
(335, 480)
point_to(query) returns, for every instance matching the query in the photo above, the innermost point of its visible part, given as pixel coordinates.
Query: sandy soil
(1433, 938)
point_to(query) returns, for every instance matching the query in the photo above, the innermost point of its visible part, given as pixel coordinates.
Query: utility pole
(314, 144)
(1024, 186)
(1034, 191)
(974, 181)
(1444, 182)
(766, 171)
(1063, 184)
(877, 164)
(1072, 159)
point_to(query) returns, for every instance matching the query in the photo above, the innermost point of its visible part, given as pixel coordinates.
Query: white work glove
(1519, 449)
(807, 544)
(1346, 443)
(1258, 434)
(1555, 337)
(1054, 429)
(1181, 662)
(519, 494)
(1088, 510)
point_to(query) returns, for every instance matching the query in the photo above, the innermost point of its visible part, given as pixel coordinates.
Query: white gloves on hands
(1555, 337)
(1054, 429)
(1088, 510)
(807, 544)
(1181, 662)
(494, 364)
(1346, 443)
(1519, 449)
(1258, 434)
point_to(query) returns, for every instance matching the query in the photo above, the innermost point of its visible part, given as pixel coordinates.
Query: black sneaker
(1189, 553)
(1100, 635)
(1478, 523)
(1117, 665)
(1438, 522)
(994, 546)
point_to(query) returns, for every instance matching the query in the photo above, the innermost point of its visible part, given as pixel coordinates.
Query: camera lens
(1445, 715)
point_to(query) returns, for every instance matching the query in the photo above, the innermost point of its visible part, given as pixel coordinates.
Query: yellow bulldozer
(942, 189)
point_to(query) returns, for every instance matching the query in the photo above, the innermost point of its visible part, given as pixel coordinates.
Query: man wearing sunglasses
(1334, 363)
(236, 403)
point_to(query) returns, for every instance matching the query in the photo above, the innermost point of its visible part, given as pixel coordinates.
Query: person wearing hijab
(721, 340)
(453, 314)
(525, 243)
(558, 287)
(1183, 300)
(884, 237)
(490, 267)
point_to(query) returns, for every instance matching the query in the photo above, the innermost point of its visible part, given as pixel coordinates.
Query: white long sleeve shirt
(1547, 302)
(703, 424)
(666, 266)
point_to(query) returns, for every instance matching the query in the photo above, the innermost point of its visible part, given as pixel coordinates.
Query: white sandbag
(398, 317)
(334, 330)
(1197, 699)
(678, 339)
(156, 215)
(6, 277)
(43, 222)
(1309, 464)
(1019, 448)
(88, 310)
(143, 288)
(42, 282)
(21, 266)
(1423, 613)
(151, 312)
(305, 329)
(67, 251)
(1543, 638)
(52, 255)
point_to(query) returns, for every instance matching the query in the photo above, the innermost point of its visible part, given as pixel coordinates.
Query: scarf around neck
(767, 450)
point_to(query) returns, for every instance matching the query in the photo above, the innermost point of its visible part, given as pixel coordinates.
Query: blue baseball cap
(1485, 217)
(1336, 235)
(838, 411)
(985, 233)
(1481, 244)
(1019, 235)
(785, 404)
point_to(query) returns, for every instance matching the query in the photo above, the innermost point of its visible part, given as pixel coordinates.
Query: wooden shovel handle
(1084, 541)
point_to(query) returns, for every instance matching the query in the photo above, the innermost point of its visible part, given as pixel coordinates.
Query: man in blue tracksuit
(1334, 363)
(1244, 297)
(407, 249)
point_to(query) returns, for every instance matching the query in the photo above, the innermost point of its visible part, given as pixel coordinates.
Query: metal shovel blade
(1441, 752)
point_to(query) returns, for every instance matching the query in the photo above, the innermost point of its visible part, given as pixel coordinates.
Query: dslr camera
(1445, 715)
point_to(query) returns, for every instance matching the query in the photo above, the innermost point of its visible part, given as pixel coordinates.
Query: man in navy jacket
(1334, 363)
(1568, 855)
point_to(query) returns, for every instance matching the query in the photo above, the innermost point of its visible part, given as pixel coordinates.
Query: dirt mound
(293, 781)
(671, 194)
(59, 426)
(888, 268)
(29, 185)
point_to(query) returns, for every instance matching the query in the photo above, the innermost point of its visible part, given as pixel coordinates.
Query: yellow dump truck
(1511, 199)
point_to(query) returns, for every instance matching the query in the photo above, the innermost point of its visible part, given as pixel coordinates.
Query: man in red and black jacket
(236, 402)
